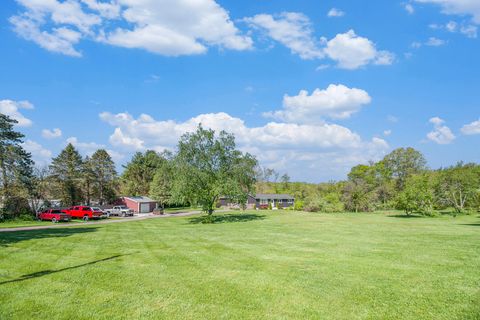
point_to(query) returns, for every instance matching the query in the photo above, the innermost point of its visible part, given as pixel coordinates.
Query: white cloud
(451, 26)
(441, 134)
(296, 148)
(409, 8)
(471, 128)
(435, 42)
(337, 102)
(51, 134)
(292, 29)
(431, 42)
(40, 155)
(458, 7)
(166, 27)
(469, 30)
(387, 133)
(88, 148)
(334, 12)
(392, 119)
(12, 109)
(352, 51)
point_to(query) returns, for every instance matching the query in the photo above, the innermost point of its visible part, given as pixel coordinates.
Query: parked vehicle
(104, 213)
(122, 211)
(53, 215)
(83, 212)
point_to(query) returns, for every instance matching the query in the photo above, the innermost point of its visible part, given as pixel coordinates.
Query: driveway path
(76, 224)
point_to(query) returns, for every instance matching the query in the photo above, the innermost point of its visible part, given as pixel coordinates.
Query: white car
(104, 213)
(122, 211)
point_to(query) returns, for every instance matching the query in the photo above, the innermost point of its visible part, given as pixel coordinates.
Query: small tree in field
(210, 166)
(417, 195)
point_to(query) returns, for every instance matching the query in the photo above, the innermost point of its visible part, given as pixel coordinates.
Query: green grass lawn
(23, 223)
(257, 265)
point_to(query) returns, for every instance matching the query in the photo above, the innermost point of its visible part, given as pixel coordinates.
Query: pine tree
(66, 169)
(16, 168)
(105, 175)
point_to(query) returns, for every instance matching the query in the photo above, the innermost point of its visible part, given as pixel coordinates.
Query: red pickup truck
(53, 215)
(83, 212)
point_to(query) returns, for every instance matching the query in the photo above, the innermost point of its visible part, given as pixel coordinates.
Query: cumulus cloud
(334, 12)
(441, 134)
(352, 51)
(166, 27)
(458, 7)
(336, 102)
(283, 146)
(12, 109)
(294, 30)
(51, 134)
(88, 148)
(471, 128)
(40, 155)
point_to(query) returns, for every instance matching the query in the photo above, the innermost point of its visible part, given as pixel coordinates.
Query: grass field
(257, 265)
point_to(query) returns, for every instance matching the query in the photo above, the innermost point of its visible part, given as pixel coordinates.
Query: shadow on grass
(471, 224)
(404, 216)
(7, 238)
(47, 272)
(226, 218)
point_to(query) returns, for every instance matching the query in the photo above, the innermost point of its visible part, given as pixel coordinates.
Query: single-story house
(140, 204)
(262, 201)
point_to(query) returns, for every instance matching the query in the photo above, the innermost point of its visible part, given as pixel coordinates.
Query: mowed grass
(255, 265)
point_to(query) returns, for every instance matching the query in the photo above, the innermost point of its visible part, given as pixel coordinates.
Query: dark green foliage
(139, 173)
(67, 170)
(105, 176)
(16, 170)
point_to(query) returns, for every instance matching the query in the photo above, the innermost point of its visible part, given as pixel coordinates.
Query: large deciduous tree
(210, 166)
(459, 185)
(404, 162)
(66, 169)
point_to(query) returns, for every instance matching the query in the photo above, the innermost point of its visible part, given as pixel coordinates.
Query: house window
(263, 201)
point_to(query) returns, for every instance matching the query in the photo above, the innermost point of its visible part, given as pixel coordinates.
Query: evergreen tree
(139, 173)
(105, 175)
(66, 170)
(16, 168)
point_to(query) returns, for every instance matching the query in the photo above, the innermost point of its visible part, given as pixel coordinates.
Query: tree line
(204, 167)
(400, 181)
(207, 165)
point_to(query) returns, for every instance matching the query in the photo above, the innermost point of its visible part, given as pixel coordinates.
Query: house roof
(140, 199)
(273, 196)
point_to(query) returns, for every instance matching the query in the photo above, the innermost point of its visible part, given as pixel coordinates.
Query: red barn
(140, 204)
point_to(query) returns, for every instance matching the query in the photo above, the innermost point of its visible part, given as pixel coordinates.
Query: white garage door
(144, 207)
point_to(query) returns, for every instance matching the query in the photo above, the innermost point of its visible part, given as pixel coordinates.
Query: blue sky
(309, 87)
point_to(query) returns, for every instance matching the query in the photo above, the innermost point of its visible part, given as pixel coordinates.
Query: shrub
(298, 205)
